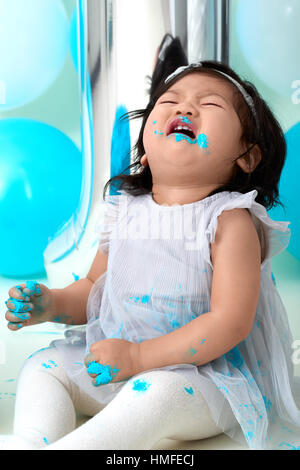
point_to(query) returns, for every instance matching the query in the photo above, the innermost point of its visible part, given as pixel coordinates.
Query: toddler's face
(204, 159)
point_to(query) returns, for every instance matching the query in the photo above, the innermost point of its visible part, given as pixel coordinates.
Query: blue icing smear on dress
(189, 390)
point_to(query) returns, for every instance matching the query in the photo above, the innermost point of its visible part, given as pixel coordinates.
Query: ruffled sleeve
(274, 236)
(107, 216)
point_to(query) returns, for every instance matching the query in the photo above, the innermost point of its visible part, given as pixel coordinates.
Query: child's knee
(45, 359)
(162, 387)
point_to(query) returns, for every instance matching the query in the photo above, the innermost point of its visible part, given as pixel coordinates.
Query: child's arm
(236, 258)
(67, 305)
(71, 301)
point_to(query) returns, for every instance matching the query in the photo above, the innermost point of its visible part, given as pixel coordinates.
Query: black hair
(268, 135)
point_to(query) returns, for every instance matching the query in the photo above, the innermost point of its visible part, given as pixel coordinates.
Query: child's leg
(44, 410)
(151, 406)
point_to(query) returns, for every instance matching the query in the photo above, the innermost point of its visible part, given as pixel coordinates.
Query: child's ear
(249, 162)
(169, 56)
(144, 160)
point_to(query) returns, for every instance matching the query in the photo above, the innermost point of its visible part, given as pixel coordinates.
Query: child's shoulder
(235, 225)
(238, 212)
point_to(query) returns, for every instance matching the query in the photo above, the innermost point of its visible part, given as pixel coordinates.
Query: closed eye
(205, 104)
(213, 104)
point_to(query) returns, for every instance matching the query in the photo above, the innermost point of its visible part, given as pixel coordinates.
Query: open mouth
(184, 131)
(178, 127)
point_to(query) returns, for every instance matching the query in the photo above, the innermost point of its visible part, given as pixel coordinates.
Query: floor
(17, 346)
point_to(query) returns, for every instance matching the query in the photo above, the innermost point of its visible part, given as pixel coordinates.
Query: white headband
(246, 96)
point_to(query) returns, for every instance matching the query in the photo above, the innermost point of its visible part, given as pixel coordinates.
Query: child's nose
(187, 108)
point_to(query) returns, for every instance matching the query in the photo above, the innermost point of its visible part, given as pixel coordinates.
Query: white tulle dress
(159, 278)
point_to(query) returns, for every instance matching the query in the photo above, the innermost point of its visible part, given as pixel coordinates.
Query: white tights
(46, 401)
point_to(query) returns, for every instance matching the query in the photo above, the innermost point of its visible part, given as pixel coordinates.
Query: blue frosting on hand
(95, 368)
(18, 306)
(103, 372)
(25, 297)
(33, 286)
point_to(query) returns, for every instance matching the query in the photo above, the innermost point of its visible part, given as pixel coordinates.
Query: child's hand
(112, 360)
(28, 304)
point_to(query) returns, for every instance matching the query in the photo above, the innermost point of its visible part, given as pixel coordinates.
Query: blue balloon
(288, 190)
(267, 32)
(73, 39)
(34, 41)
(40, 183)
(120, 146)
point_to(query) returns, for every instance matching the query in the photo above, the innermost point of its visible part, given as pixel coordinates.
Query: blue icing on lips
(179, 137)
(201, 139)
(185, 119)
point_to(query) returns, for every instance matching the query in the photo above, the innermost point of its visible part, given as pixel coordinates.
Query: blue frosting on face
(186, 120)
(201, 139)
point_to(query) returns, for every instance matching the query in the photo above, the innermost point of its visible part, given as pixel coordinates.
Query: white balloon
(268, 35)
(34, 41)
